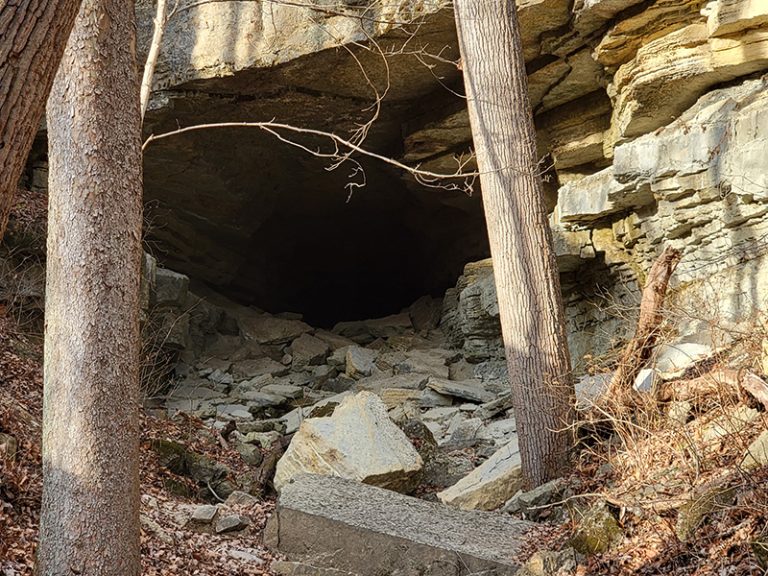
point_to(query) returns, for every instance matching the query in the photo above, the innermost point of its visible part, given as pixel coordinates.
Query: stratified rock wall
(652, 115)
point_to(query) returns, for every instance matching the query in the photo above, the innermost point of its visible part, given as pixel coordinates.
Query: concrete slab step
(335, 524)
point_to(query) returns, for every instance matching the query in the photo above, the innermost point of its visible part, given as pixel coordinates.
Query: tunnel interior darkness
(334, 260)
(269, 226)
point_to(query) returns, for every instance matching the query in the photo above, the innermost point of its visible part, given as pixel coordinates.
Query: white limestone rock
(359, 361)
(357, 442)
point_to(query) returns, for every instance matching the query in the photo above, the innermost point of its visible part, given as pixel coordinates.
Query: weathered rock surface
(533, 502)
(268, 329)
(359, 362)
(757, 453)
(546, 563)
(231, 523)
(348, 520)
(358, 441)
(204, 514)
(211, 475)
(490, 485)
(170, 288)
(668, 75)
(471, 313)
(471, 390)
(597, 530)
(308, 350)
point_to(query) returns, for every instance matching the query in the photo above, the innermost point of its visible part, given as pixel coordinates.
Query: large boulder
(358, 442)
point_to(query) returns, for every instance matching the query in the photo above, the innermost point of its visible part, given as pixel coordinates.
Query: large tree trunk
(90, 512)
(527, 279)
(33, 34)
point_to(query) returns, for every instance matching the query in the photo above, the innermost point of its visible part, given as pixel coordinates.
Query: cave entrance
(270, 227)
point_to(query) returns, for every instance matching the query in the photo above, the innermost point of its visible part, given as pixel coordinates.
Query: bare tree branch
(424, 177)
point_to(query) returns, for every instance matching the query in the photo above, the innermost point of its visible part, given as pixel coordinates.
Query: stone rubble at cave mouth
(269, 373)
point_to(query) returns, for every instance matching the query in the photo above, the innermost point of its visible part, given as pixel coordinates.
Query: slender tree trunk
(33, 34)
(525, 268)
(90, 513)
(161, 21)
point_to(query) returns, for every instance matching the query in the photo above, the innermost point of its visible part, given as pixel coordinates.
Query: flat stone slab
(285, 390)
(352, 527)
(472, 390)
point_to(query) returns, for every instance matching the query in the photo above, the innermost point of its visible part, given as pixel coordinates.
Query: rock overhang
(227, 199)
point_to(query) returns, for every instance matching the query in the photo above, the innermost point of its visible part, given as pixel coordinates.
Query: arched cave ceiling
(269, 224)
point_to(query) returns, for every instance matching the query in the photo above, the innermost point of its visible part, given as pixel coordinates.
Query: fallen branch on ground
(729, 380)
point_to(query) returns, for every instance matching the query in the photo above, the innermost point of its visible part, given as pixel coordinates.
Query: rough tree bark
(33, 34)
(525, 268)
(90, 511)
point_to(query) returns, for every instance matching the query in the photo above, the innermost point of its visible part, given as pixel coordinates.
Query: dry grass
(649, 465)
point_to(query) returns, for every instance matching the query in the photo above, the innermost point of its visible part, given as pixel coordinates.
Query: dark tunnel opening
(270, 227)
(333, 260)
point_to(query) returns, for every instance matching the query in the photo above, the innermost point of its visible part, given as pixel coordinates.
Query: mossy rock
(177, 488)
(546, 563)
(597, 531)
(172, 455)
(704, 501)
(207, 472)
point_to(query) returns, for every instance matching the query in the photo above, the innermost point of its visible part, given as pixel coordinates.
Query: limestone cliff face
(654, 114)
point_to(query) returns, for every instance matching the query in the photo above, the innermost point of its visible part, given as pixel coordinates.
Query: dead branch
(728, 380)
(342, 149)
(639, 349)
(266, 471)
(339, 144)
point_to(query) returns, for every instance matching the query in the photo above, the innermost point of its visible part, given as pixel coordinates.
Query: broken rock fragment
(489, 485)
(359, 362)
(358, 441)
(231, 523)
(308, 350)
